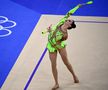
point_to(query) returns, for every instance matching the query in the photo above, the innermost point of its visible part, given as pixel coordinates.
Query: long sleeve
(70, 12)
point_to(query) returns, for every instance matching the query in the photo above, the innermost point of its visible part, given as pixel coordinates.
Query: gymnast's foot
(76, 80)
(56, 86)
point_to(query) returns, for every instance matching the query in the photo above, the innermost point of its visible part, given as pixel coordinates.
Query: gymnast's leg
(64, 57)
(53, 58)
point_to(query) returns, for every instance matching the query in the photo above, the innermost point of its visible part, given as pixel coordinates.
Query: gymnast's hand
(80, 5)
(49, 28)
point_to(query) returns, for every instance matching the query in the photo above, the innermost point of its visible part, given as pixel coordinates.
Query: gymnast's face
(68, 23)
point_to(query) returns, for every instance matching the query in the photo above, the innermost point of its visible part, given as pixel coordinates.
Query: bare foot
(76, 80)
(55, 87)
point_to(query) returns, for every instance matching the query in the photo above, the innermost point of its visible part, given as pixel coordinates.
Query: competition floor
(87, 48)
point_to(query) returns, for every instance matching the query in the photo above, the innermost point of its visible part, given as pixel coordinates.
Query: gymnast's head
(70, 24)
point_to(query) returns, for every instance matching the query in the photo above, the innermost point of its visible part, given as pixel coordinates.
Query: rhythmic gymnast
(58, 34)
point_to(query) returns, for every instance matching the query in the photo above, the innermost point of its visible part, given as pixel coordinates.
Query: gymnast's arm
(70, 12)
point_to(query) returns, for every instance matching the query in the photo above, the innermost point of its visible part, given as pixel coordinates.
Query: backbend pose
(56, 42)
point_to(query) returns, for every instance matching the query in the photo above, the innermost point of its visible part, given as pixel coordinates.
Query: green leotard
(55, 41)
